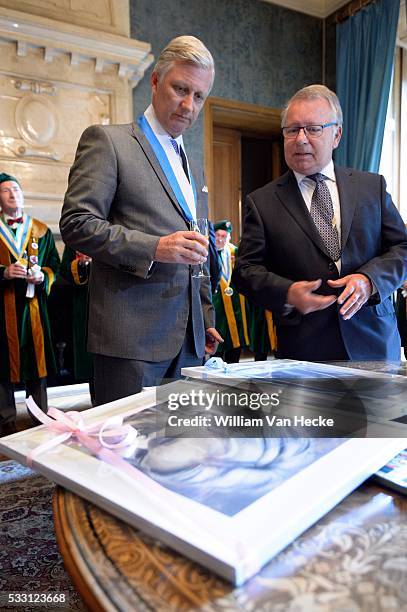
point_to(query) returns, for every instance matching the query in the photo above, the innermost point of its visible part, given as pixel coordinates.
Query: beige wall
(106, 15)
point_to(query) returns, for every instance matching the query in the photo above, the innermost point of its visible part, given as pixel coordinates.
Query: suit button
(332, 266)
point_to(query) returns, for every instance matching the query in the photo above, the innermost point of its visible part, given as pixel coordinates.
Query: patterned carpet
(29, 557)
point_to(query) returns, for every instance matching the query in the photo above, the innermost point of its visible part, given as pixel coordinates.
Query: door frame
(248, 118)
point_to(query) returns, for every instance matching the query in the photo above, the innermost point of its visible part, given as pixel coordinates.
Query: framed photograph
(394, 473)
(230, 503)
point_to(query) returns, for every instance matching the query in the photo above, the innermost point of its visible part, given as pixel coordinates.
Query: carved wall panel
(55, 80)
(40, 126)
(106, 15)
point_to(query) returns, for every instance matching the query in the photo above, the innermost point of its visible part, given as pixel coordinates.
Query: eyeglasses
(312, 131)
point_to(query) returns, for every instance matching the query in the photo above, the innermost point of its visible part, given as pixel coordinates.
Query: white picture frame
(235, 547)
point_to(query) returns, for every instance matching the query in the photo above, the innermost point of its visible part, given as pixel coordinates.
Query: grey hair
(312, 92)
(185, 49)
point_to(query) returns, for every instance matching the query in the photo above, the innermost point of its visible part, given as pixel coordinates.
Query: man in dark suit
(323, 247)
(130, 199)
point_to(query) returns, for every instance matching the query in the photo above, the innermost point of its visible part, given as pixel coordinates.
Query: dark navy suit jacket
(280, 244)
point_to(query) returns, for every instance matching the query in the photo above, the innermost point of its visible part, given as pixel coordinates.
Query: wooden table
(354, 559)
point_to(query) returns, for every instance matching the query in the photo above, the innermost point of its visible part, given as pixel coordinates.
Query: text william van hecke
(237, 420)
(272, 421)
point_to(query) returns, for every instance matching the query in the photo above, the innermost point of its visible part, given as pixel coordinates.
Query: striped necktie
(322, 213)
(180, 152)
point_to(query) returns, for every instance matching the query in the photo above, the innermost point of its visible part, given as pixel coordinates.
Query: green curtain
(365, 46)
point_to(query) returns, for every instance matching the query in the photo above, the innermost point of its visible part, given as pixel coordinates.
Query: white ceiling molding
(316, 8)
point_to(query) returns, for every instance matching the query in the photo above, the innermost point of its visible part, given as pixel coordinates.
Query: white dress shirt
(175, 160)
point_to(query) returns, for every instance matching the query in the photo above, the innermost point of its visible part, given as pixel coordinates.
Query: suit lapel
(288, 193)
(149, 153)
(348, 193)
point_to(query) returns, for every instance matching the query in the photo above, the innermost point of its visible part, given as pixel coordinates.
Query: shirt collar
(158, 128)
(328, 171)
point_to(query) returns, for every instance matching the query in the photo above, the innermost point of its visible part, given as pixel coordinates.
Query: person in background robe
(230, 306)
(29, 263)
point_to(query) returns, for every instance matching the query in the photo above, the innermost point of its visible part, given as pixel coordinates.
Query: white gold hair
(185, 49)
(312, 92)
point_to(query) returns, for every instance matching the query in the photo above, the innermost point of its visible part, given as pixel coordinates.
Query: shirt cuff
(288, 308)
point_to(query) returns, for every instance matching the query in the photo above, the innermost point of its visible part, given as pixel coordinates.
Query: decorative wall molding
(78, 43)
(106, 15)
(35, 87)
(56, 79)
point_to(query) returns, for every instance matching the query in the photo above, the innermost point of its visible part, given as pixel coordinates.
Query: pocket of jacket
(384, 308)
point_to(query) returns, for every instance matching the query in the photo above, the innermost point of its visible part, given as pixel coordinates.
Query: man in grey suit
(131, 197)
(323, 247)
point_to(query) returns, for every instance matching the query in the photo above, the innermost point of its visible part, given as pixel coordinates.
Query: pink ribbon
(107, 439)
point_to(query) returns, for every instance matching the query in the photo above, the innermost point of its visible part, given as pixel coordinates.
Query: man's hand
(212, 339)
(301, 296)
(358, 290)
(82, 258)
(35, 276)
(15, 270)
(189, 248)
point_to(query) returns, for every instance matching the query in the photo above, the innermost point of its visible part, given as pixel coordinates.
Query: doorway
(243, 151)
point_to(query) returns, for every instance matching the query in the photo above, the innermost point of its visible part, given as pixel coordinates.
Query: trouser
(37, 388)
(116, 377)
(231, 355)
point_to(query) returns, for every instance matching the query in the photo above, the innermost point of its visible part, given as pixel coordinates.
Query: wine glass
(200, 225)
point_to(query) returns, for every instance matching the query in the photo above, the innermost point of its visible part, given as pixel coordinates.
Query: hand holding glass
(200, 225)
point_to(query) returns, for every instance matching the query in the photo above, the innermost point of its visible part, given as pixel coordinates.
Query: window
(393, 163)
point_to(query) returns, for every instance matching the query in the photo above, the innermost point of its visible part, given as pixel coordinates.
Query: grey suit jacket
(117, 206)
(280, 244)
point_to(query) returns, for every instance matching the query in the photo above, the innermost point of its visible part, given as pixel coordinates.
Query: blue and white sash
(226, 257)
(16, 242)
(167, 168)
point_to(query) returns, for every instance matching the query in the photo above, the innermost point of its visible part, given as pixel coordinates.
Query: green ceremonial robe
(230, 310)
(26, 351)
(78, 275)
(258, 332)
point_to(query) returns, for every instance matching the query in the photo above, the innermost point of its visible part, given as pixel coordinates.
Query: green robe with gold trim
(262, 332)
(77, 275)
(230, 311)
(26, 351)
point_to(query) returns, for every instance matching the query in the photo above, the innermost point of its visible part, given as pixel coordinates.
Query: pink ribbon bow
(106, 440)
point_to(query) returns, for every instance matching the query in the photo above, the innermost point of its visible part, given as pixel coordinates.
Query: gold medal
(228, 291)
(23, 260)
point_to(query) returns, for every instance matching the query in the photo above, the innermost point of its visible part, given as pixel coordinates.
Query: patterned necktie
(322, 213)
(180, 152)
